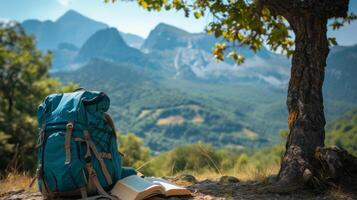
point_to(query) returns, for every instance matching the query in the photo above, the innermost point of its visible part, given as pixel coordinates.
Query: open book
(137, 188)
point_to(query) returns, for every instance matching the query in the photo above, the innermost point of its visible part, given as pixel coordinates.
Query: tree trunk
(305, 101)
(306, 120)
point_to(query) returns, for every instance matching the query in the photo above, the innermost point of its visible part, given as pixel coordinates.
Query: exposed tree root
(338, 169)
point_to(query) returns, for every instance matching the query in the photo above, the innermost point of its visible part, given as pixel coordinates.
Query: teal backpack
(78, 151)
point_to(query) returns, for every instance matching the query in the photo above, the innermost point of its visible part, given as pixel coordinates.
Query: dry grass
(245, 174)
(250, 134)
(16, 181)
(260, 175)
(177, 119)
(197, 119)
(339, 194)
(143, 113)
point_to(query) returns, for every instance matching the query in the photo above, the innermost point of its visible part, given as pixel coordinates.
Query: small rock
(186, 177)
(307, 175)
(206, 181)
(228, 179)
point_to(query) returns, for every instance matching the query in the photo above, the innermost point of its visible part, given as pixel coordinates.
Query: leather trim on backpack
(110, 121)
(94, 179)
(69, 127)
(91, 146)
(111, 124)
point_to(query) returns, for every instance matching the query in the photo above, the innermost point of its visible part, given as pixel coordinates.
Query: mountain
(107, 44)
(72, 27)
(341, 73)
(132, 39)
(189, 56)
(166, 37)
(46, 33)
(63, 56)
(76, 28)
(180, 54)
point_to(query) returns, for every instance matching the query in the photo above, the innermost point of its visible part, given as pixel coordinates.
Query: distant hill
(63, 56)
(343, 132)
(189, 56)
(109, 45)
(72, 27)
(167, 37)
(341, 73)
(132, 40)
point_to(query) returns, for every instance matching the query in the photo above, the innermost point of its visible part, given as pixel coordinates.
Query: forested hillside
(256, 162)
(343, 132)
(166, 116)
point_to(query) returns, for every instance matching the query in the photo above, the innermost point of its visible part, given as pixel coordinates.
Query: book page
(170, 188)
(135, 188)
(136, 183)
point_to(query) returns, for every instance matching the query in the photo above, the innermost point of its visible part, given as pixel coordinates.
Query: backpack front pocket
(59, 175)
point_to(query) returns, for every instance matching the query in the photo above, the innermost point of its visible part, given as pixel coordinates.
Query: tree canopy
(24, 82)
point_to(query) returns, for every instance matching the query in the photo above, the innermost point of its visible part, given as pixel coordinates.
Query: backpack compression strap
(68, 142)
(91, 172)
(110, 121)
(91, 146)
(111, 124)
(94, 179)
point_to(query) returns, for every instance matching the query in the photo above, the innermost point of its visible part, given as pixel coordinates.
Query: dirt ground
(218, 189)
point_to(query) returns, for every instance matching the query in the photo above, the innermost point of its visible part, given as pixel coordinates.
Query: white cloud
(64, 2)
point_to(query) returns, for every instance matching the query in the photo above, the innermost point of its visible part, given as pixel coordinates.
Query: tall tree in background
(24, 82)
(256, 22)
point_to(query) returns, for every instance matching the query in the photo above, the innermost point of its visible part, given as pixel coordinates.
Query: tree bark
(305, 101)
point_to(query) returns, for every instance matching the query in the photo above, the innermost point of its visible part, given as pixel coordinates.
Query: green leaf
(197, 15)
(332, 41)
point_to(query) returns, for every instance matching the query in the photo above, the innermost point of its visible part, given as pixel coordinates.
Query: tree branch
(325, 9)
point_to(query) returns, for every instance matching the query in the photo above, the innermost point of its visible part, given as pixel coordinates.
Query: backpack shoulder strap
(110, 122)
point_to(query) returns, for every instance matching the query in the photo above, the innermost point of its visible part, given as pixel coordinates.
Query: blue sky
(128, 16)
